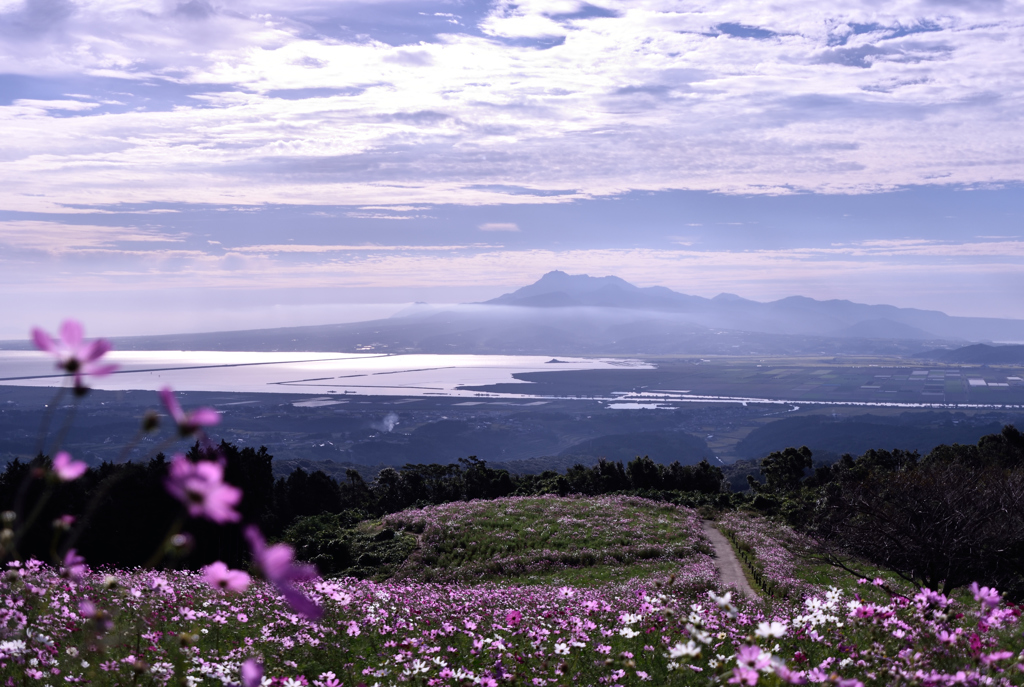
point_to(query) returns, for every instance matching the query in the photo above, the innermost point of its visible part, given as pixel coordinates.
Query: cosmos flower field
(167, 627)
(610, 590)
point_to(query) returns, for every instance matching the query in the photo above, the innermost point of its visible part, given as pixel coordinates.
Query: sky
(171, 166)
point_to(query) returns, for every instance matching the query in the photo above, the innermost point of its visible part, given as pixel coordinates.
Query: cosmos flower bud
(64, 522)
(150, 421)
(180, 544)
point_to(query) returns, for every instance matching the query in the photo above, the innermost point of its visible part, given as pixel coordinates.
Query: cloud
(781, 98)
(499, 226)
(299, 248)
(410, 58)
(54, 237)
(70, 105)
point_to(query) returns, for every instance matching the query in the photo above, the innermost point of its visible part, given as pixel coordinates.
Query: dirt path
(730, 570)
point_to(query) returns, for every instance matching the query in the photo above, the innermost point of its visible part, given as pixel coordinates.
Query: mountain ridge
(567, 315)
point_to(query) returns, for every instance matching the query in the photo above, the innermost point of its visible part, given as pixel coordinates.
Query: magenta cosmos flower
(279, 569)
(74, 565)
(67, 468)
(75, 355)
(188, 423)
(201, 487)
(252, 673)
(219, 576)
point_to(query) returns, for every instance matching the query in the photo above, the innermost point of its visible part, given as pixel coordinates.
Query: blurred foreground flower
(188, 423)
(219, 576)
(252, 673)
(74, 355)
(201, 487)
(279, 569)
(74, 565)
(67, 468)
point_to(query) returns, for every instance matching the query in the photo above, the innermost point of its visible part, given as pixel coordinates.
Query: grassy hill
(582, 541)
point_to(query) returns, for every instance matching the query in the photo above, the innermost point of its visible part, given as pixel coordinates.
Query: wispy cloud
(316, 248)
(54, 237)
(499, 226)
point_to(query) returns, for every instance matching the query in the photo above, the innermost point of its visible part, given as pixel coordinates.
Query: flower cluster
(107, 628)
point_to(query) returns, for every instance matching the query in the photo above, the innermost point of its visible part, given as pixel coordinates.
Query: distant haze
(563, 314)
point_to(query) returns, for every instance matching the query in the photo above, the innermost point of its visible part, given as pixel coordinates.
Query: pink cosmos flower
(278, 567)
(252, 673)
(989, 659)
(328, 679)
(67, 468)
(752, 657)
(74, 355)
(219, 576)
(74, 565)
(188, 423)
(201, 487)
(513, 618)
(742, 675)
(985, 595)
(792, 677)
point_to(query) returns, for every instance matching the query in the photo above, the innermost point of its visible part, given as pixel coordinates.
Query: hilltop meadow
(199, 567)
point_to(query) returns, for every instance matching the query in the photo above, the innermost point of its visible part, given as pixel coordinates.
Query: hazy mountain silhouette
(564, 314)
(793, 315)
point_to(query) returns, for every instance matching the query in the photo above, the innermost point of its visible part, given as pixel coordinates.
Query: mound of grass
(340, 545)
(577, 540)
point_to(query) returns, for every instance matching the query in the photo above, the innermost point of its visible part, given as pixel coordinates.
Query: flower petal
(171, 404)
(204, 417)
(94, 350)
(71, 333)
(43, 341)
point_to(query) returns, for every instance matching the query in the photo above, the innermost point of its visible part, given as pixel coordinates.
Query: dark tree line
(943, 520)
(123, 511)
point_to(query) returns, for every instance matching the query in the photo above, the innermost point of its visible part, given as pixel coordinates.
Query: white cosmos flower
(772, 629)
(680, 650)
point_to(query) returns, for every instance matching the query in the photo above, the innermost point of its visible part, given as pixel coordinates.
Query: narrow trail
(730, 570)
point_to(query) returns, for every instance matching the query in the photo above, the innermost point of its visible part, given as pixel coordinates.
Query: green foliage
(943, 520)
(346, 545)
(783, 470)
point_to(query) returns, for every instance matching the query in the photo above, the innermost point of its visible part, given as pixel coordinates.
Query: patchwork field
(825, 380)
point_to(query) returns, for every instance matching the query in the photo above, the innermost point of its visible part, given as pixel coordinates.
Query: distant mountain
(560, 290)
(563, 314)
(978, 354)
(793, 315)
